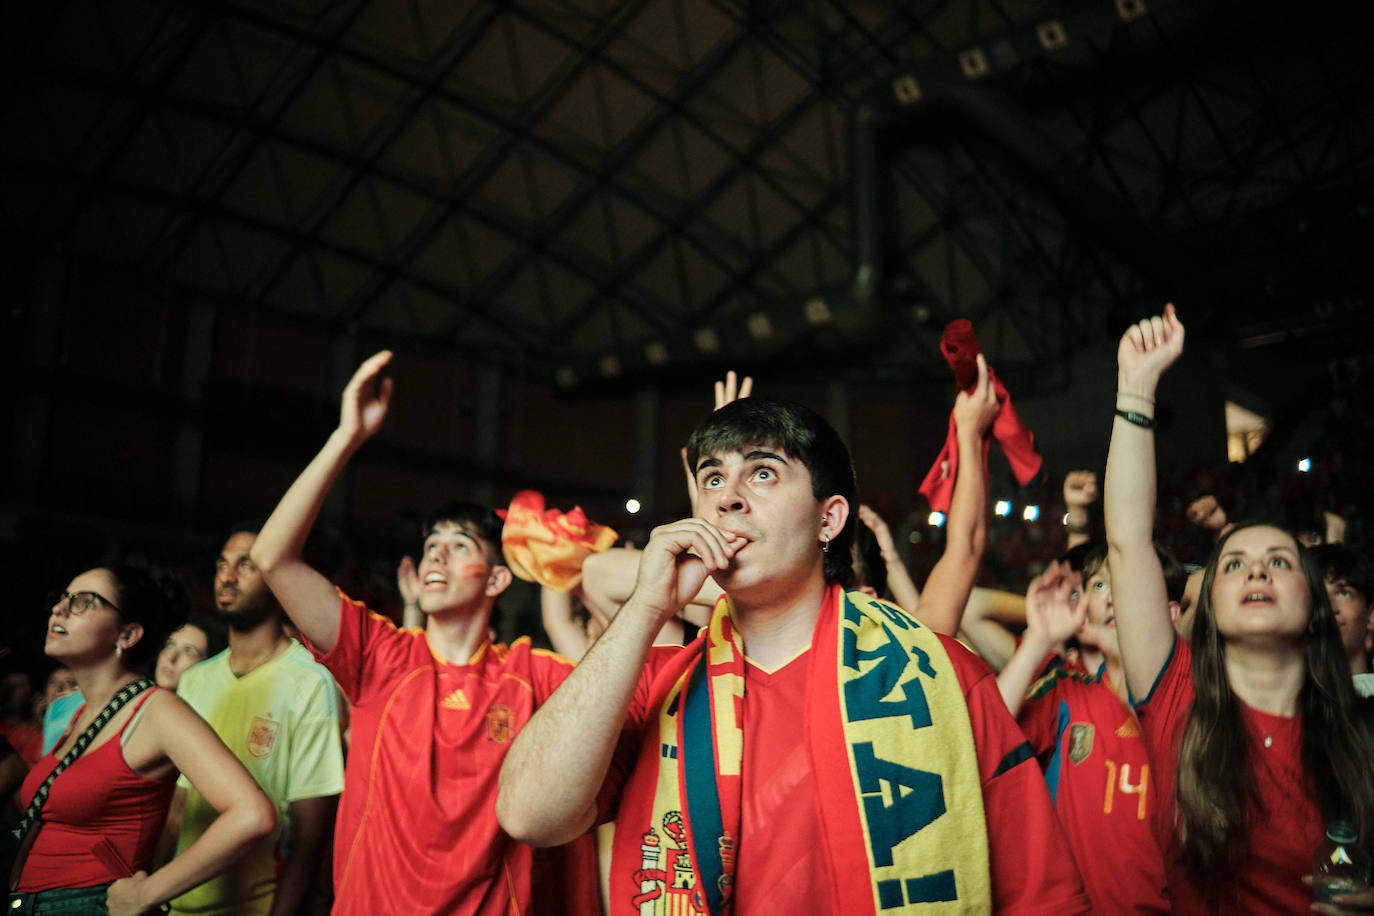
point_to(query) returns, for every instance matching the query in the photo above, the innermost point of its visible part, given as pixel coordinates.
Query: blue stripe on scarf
(703, 795)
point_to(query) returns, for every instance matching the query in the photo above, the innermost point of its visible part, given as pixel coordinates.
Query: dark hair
(1192, 496)
(153, 598)
(799, 433)
(251, 526)
(54, 668)
(1216, 760)
(477, 520)
(1077, 556)
(869, 567)
(1175, 576)
(1341, 564)
(216, 633)
(1094, 559)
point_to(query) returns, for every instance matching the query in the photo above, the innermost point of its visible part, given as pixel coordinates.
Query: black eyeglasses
(79, 603)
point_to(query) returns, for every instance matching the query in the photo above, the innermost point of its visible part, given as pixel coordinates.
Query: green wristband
(1136, 419)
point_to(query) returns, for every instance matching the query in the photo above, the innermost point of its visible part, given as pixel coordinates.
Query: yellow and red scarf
(892, 751)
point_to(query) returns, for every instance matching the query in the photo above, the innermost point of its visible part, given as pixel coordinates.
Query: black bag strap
(117, 702)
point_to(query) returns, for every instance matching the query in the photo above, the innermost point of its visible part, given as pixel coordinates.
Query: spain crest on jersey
(1081, 736)
(500, 725)
(262, 736)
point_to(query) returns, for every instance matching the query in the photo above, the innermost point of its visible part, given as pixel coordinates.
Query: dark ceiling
(566, 214)
(590, 190)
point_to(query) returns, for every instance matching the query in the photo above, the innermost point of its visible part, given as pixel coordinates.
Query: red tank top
(101, 821)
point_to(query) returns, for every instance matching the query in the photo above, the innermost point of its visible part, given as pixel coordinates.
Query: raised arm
(558, 613)
(1052, 616)
(986, 625)
(608, 579)
(728, 389)
(966, 531)
(899, 582)
(1080, 492)
(168, 729)
(408, 585)
(309, 598)
(1139, 597)
(551, 777)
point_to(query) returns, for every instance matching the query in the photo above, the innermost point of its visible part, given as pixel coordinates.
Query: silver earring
(119, 651)
(825, 542)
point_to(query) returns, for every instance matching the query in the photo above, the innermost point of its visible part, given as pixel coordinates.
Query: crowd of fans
(1170, 706)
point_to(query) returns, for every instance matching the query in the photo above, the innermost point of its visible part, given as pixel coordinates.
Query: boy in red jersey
(434, 711)
(1087, 739)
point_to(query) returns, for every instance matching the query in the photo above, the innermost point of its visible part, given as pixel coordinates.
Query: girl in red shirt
(93, 843)
(1251, 722)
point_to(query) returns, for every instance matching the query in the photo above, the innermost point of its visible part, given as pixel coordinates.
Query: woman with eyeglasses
(90, 848)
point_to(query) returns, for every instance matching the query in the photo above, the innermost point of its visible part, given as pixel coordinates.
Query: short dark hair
(1175, 576)
(1077, 555)
(153, 598)
(1339, 563)
(216, 633)
(251, 526)
(869, 566)
(800, 433)
(477, 520)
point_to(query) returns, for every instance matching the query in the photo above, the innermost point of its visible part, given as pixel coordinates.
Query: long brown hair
(1216, 784)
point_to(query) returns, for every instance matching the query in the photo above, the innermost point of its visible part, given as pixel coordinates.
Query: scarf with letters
(892, 752)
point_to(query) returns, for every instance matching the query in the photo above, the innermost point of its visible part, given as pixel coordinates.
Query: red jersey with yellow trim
(1285, 823)
(417, 830)
(1098, 771)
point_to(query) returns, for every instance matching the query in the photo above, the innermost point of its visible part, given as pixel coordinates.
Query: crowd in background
(1043, 602)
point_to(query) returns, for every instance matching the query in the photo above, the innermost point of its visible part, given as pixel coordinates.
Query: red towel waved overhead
(960, 349)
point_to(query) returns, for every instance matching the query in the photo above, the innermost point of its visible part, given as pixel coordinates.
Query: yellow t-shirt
(282, 721)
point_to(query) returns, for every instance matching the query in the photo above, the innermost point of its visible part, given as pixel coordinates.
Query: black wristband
(1136, 419)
